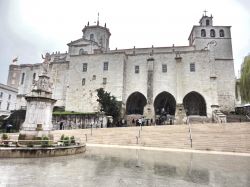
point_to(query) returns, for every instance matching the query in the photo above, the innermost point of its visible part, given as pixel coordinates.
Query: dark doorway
(135, 103)
(165, 102)
(194, 104)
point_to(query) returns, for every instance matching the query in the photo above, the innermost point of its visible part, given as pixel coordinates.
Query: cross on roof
(205, 11)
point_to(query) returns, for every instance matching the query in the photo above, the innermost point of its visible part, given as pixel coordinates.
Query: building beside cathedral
(195, 79)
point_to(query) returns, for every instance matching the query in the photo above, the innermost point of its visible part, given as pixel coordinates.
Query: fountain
(35, 138)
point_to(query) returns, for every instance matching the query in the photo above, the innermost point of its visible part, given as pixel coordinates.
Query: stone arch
(203, 33)
(166, 101)
(195, 104)
(135, 103)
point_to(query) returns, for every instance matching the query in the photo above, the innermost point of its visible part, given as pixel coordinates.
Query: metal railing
(190, 132)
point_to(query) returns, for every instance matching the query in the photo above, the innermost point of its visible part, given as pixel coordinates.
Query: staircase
(215, 137)
(219, 117)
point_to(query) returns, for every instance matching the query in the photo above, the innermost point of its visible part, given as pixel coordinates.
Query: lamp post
(102, 115)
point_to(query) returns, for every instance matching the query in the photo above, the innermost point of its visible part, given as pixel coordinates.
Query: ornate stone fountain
(38, 119)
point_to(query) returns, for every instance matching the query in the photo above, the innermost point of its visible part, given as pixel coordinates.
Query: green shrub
(5, 137)
(66, 141)
(45, 141)
(72, 140)
(62, 137)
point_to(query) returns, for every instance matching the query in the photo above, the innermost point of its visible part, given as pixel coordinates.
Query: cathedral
(192, 80)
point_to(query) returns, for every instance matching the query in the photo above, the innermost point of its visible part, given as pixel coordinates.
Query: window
(83, 81)
(1, 94)
(22, 79)
(85, 67)
(104, 81)
(212, 33)
(105, 66)
(80, 51)
(92, 37)
(0, 104)
(34, 76)
(203, 33)
(192, 67)
(222, 34)
(8, 106)
(207, 22)
(137, 69)
(164, 68)
(9, 96)
(94, 77)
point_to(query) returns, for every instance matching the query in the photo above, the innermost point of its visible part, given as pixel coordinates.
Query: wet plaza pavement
(127, 167)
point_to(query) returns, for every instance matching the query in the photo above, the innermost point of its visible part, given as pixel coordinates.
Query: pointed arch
(195, 104)
(135, 103)
(165, 101)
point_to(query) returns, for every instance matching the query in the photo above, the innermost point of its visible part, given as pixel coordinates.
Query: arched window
(81, 51)
(212, 33)
(222, 34)
(203, 33)
(92, 37)
(207, 22)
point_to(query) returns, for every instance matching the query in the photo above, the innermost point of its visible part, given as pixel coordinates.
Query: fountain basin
(38, 152)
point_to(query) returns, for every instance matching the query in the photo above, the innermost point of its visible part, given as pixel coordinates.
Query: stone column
(180, 114)
(149, 108)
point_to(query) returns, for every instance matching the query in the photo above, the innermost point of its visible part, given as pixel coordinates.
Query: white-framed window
(192, 67)
(83, 81)
(137, 69)
(105, 66)
(104, 80)
(84, 67)
(164, 68)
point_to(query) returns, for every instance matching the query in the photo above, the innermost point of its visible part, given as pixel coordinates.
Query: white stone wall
(83, 98)
(7, 97)
(198, 81)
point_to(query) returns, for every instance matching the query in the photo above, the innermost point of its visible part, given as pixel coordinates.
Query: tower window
(207, 22)
(164, 68)
(80, 51)
(137, 69)
(222, 34)
(105, 66)
(104, 81)
(192, 67)
(212, 33)
(85, 67)
(203, 33)
(92, 37)
(83, 81)
(22, 79)
(8, 106)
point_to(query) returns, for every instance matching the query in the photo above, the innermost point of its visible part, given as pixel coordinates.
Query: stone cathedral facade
(195, 79)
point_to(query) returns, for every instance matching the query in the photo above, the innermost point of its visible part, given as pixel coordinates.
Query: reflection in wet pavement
(127, 167)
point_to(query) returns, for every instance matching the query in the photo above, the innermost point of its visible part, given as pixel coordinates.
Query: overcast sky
(29, 28)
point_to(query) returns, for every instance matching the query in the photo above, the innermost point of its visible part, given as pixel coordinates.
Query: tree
(245, 80)
(109, 104)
